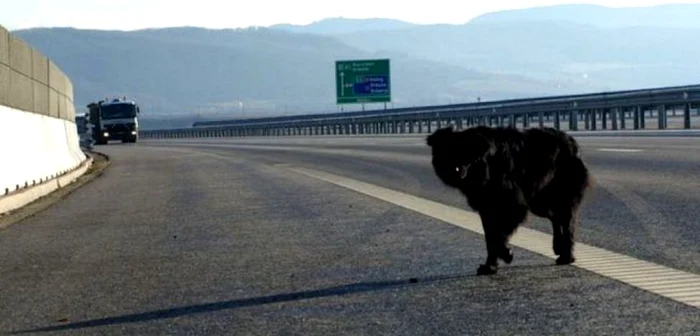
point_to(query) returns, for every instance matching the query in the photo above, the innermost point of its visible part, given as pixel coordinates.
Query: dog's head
(459, 158)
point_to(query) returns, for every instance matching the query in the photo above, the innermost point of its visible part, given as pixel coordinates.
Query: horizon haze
(212, 14)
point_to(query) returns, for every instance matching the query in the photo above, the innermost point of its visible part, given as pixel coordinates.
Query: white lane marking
(420, 159)
(619, 150)
(677, 285)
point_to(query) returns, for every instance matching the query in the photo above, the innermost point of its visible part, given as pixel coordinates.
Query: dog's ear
(440, 136)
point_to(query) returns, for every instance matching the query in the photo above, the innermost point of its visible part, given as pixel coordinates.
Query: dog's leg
(567, 222)
(498, 227)
(510, 217)
(570, 191)
(557, 238)
(494, 245)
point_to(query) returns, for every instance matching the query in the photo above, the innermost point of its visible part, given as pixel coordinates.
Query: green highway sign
(362, 81)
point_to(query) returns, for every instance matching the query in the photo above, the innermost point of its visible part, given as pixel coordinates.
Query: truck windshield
(118, 111)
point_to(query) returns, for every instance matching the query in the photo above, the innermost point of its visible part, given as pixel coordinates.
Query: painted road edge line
(677, 285)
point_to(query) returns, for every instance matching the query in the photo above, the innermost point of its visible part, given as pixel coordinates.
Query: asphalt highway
(224, 236)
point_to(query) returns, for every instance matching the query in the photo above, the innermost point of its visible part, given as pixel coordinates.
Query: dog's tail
(574, 147)
(578, 174)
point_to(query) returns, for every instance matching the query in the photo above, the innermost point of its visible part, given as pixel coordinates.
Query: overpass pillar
(623, 117)
(573, 120)
(594, 119)
(540, 116)
(686, 115)
(526, 120)
(604, 118)
(613, 117)
(511, 120)
(663, 117)
(587, 119)
(557, 124)
(636, 116)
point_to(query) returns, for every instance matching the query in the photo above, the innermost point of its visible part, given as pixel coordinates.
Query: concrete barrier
(40, 142)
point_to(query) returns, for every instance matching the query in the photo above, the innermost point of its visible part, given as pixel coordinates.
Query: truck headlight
(133, 132)
(106, 134)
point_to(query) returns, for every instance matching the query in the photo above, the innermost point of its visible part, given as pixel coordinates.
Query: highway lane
(216, 238)
(644, 202)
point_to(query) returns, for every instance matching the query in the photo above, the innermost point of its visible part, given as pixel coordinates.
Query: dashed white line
(680, 286)
(619, 150)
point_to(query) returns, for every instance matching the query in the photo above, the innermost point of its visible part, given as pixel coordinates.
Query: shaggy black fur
(505, 173)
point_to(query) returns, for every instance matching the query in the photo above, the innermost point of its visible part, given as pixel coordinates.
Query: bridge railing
(620, 110)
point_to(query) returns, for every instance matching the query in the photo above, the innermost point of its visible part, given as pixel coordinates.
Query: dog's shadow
(251, 302)
(355, 288)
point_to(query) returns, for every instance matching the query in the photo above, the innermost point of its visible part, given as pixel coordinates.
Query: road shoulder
(100, 163)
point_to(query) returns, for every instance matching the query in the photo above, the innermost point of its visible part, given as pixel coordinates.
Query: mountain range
(183, 74)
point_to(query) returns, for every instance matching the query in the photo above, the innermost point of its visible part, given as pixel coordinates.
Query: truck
(115, 119)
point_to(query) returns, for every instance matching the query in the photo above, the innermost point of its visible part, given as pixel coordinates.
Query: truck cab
(114, 120)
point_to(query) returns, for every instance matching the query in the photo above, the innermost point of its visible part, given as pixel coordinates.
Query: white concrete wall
(35, 148)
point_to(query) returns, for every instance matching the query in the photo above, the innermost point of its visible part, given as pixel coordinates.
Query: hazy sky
(136, 14)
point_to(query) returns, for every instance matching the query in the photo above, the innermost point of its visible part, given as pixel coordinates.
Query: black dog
(505, 173)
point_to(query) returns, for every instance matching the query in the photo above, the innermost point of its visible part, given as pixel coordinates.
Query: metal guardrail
(609, 110)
